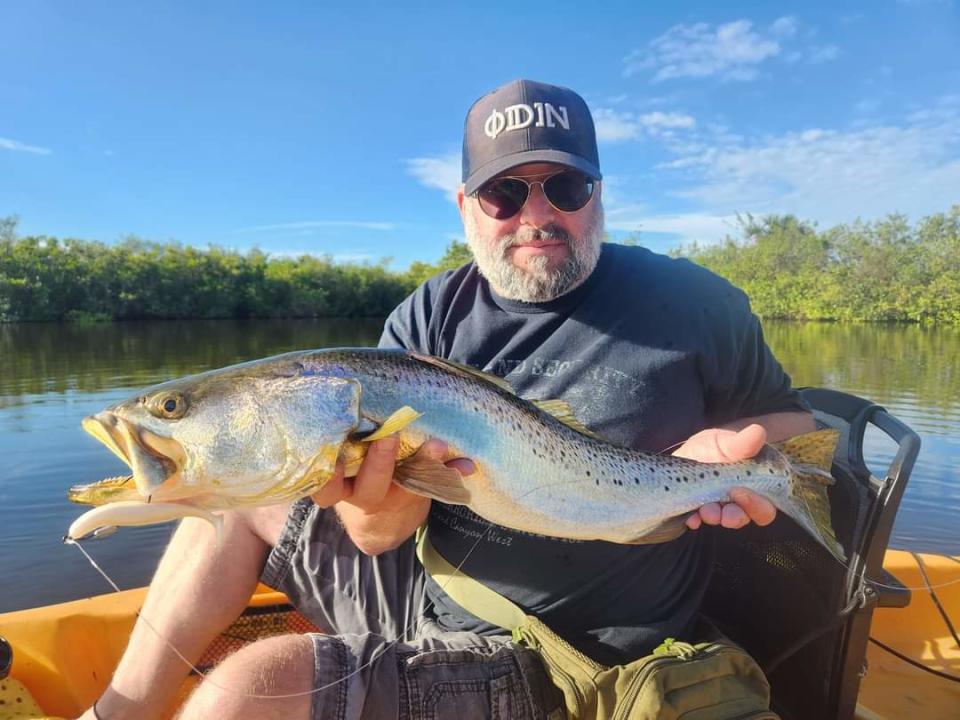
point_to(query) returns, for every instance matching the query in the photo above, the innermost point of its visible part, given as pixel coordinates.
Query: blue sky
(299, 127)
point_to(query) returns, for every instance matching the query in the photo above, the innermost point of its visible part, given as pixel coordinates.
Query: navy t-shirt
(647, 352)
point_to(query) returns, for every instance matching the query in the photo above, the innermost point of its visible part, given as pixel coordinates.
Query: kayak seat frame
(803, 615)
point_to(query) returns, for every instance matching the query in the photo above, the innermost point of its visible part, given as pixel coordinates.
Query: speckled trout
(272, 431)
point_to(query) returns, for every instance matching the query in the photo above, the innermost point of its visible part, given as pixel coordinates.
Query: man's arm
(741, 440)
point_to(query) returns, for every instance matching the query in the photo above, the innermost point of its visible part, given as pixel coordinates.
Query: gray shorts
(386, 657)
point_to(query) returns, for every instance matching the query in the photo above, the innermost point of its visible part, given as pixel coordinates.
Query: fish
(273, 430)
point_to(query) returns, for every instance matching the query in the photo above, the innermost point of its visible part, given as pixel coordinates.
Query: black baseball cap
(524, 122)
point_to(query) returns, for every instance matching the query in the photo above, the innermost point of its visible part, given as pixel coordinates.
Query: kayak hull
(65, 654)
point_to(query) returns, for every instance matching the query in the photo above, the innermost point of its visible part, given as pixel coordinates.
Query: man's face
(540, 253)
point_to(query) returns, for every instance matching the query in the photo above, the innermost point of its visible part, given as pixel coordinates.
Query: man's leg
(199, 588)
(368, 677)
(275, 667)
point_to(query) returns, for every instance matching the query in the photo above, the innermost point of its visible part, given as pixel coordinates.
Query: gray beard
(536, 283)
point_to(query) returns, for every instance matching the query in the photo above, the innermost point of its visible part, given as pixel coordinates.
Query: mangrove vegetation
(887, 270)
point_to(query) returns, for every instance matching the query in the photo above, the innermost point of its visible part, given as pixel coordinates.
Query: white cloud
(832, 176)
(822, 53)
(308, 225)
(440, 173)
(614, 126)
(730, 51)
(7, 144)
(786, 26)
(685, 227)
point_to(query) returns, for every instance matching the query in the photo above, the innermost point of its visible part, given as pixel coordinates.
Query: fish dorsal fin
(813, 449)
(395, 423)
(462, 369)
(561, 410)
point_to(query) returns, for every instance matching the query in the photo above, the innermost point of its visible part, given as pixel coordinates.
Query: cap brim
(502, 164)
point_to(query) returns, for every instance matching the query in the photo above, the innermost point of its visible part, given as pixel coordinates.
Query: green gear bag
(714, 680)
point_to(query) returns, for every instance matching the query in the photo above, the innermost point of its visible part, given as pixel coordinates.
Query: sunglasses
(503, 197)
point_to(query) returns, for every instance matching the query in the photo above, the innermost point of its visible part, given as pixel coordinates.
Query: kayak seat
(803, 615)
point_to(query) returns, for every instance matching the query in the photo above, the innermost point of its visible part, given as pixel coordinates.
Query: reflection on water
(53, 375)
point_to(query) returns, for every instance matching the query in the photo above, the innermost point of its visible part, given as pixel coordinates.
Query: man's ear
(460, 200)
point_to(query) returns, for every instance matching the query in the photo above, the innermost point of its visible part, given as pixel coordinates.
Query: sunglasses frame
(523, 178)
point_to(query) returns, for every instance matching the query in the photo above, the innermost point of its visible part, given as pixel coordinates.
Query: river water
(51, 376)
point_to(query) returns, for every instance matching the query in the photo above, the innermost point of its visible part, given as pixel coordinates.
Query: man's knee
(269, 678)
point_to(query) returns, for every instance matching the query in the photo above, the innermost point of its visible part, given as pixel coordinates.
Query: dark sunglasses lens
(501, 199)
(568, 191)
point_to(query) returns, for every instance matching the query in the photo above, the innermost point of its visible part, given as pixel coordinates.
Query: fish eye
(170, 406)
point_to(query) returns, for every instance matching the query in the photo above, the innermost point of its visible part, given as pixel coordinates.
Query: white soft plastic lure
(136, 512)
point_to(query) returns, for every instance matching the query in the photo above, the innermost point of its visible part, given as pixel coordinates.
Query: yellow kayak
(64, 654)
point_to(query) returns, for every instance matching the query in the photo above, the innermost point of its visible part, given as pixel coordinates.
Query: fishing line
(876, 583)
(390, 644)
(260, 696)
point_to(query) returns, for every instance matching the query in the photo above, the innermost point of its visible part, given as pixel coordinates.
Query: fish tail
(809, 458)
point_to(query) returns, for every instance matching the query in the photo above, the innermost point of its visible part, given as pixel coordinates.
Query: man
(650, 352)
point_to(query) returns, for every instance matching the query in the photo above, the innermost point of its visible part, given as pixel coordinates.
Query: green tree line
(886, 271)
(882, 271)
(45, 278)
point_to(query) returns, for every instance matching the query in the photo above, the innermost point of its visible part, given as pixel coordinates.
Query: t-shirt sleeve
(408, 326)
(745, 378)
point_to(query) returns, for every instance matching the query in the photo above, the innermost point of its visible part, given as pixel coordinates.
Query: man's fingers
(375, 473)
(733, 517)
(464, 466)
(694, 521)
(756, 507)
(744, 444)
(335, 489)
(711, 513)
(433, 448)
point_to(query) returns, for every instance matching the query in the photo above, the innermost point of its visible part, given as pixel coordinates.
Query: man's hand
(377, 513)
(719, 445)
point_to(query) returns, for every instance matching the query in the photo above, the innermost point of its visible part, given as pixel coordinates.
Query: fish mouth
(155, 460)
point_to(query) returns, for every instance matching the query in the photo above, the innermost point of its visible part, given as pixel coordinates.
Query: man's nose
(537, 211)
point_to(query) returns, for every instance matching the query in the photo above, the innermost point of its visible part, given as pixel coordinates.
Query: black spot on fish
(588, 473)
(748, 473)
(667, 488)
(701, 476)
(716, 473)
(636, 480)
(597, 481)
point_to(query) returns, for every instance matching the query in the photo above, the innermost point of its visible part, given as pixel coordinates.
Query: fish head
(243, 435)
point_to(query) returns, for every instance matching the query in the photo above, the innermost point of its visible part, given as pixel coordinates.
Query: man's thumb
(745, 444)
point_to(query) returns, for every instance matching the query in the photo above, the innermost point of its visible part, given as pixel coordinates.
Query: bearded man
(650, 352)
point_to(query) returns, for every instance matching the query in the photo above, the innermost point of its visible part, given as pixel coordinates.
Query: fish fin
(461, 369)
(815, 449)
(101, 492)
(561, 410)
(432, 479)
(393, 424)
(809, 459)
(669, 529)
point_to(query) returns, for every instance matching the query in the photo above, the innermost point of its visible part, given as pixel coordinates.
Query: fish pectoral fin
(669, 529)
(432, 479)
(393, 424)
(561, 410)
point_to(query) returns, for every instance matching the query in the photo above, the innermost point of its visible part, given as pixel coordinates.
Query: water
(53, 375)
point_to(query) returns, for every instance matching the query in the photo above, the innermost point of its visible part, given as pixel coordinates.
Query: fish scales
(271, 430)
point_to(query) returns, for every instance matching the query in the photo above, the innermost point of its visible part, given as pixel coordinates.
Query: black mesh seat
(796, 609)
